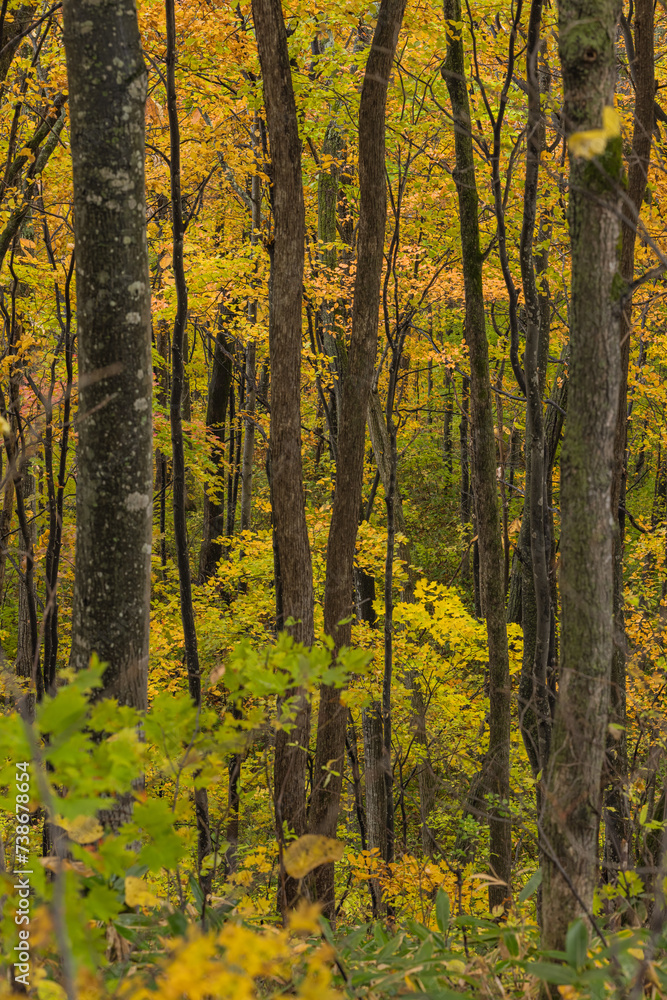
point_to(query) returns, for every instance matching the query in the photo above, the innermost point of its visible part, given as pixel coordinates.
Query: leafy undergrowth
(125, 913)
(163, 952)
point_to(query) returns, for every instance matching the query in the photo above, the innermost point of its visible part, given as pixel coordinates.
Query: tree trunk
(219, 389)
(466, 492)
(24, 646)
(484, 457)
(204, 845)
(355, 393)
(250, 373)
(587, 29)
(617, 820)
(111, 604)
(375, 767)
(294, 582)
(535, 715)
(5, 528)
(56, 495)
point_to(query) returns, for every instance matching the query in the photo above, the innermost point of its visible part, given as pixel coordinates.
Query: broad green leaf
(442, 910)
(576, 943)
(557, 974)
(533, 883)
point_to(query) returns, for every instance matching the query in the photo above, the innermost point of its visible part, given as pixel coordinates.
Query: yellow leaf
(304, 920)
(310, 851)
(54, 864)
(49, 990)
(455, 966)
(137, 892)
(82, 829)
(594, 141)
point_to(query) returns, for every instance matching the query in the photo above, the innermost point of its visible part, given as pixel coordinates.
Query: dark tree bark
(234, 799)
(535, 716)
(24, 646)
(355, 394)
(219, 389)
(5, 527)
(115, 476)
(466, 491)
(55, 483)
(42, 144)
(484, 457)
(204, 845)
(618, 834)
(250, 371)
(375, 771)
(569, 835)
(294, 579)
(12, 34)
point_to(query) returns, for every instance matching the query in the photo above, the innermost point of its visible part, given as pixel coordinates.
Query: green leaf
(178, 924)
(381, 937)
(531, 886)
(442, 910)
(511, 944)
(576, 943)
(558, 974)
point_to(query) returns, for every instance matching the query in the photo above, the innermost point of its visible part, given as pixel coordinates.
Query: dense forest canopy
(333, 554)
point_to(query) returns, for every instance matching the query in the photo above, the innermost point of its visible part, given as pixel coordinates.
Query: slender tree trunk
(248, 438)
(375, 768)
(617, 820)
(250, 373)
(5, 527)
(294, 579)
(204, 845)
(535, 715)
(111, 603)
(24, 648)
(250, 356)
(448, 421)
(503, 489)
(234, 799)
(466, 493)
(162, 377)
(56, 496)
(484, 455)
(382, 452)
(389, 623)
(219, 390)
(353, 756)
(339, 584)
(12, 35)
(327, 203)
(233, 446)
(573, 801)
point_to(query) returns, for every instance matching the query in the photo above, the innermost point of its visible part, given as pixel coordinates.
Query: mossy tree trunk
(484, 465)
(178, 343)
(573, 800)
(111, 603)
(534, 712)
(642, 66)
(354, 398)
(294, 578)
